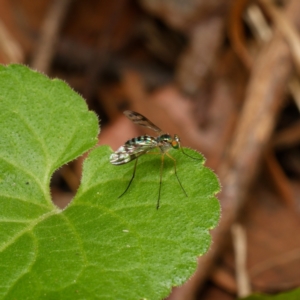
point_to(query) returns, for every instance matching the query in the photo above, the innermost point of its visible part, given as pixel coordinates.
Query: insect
(143, 144)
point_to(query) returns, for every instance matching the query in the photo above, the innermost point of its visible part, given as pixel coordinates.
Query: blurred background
(223, 75)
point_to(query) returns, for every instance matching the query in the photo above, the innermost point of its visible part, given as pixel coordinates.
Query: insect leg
(160, 180)
(176, 173)
(134, 169)
(196, 158)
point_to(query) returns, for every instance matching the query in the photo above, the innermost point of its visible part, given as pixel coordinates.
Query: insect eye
(167, 139)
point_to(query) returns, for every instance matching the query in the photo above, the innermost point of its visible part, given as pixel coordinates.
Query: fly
(140, 145)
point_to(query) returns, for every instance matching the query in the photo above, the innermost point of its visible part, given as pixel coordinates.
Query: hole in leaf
(61, 190)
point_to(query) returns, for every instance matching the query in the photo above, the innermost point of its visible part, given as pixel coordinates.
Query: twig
(240, 251)
(258, 23)
(286, 28)
(236, 32)
(287, 137)
(262, 105)
(224, 279)
(275, 261)
(264, 33)
(294, 87)
(277, 288)
(48, 36)
(264, 98)
(282, 184)
(292, 37)
(9, 46)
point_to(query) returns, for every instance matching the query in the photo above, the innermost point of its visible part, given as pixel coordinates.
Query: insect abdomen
(144, 139)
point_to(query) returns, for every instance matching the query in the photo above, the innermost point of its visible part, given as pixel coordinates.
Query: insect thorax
(165, 142)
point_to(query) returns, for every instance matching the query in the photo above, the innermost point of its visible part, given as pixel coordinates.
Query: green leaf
(290, 295)
(100, 246)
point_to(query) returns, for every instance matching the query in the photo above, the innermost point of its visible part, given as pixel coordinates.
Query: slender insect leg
(160, 180)
(134, 169)
(176, 173)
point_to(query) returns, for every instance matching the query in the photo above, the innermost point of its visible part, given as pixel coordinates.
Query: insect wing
(141, 120)
(133, 149)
